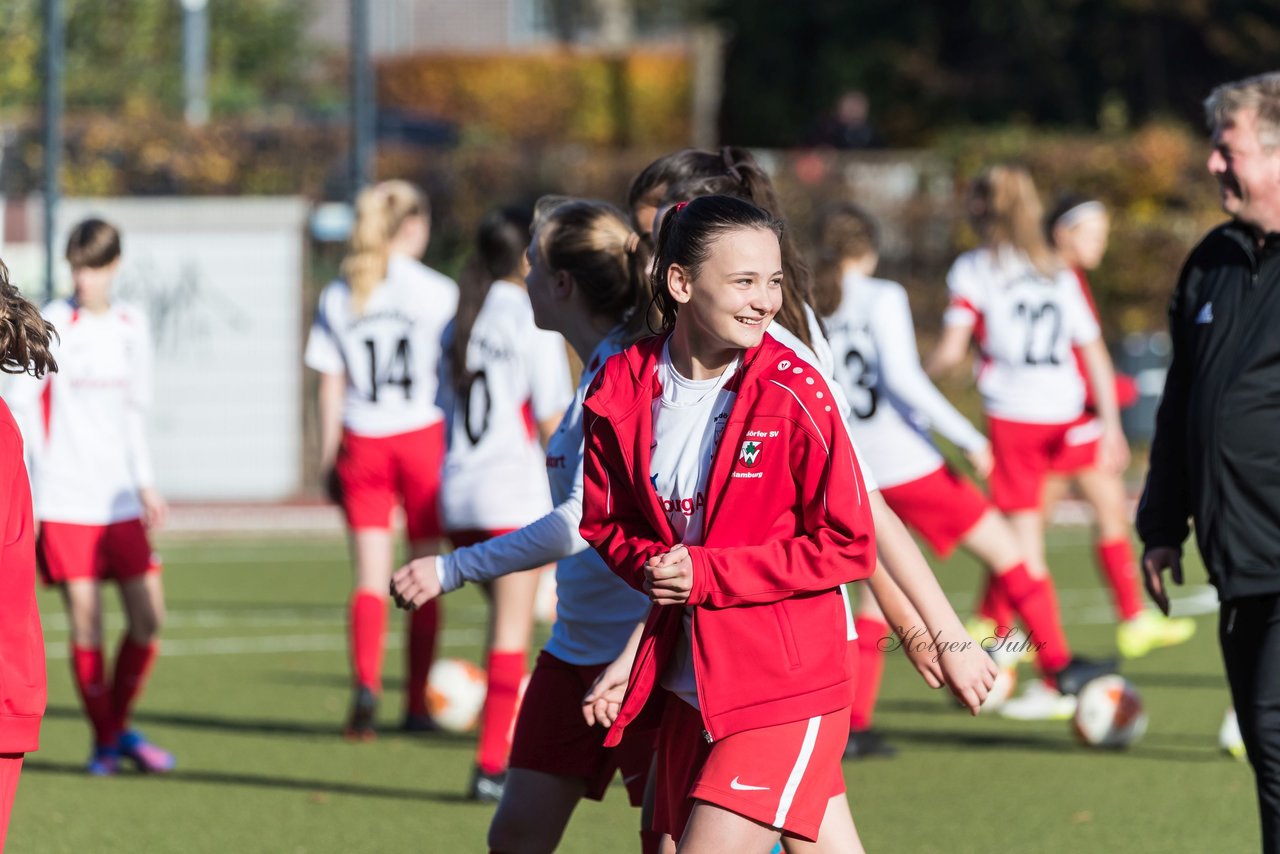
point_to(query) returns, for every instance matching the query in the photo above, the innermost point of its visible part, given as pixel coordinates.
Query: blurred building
(399, 27)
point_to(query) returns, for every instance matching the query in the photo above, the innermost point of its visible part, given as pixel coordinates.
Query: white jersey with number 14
(390, 352)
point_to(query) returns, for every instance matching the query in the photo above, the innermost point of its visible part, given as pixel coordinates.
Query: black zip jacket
(1215, 457)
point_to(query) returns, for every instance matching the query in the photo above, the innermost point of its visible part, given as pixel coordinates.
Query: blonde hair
(594, 243)
(380, 212)
(1260, 93)
(1006, 212)
(25, 336)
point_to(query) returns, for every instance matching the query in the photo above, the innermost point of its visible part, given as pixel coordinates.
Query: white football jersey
(84, 427)
(495, 472)
(1025, 324)
(688, 420)
(892, 402)
(821, 359)
(390, 353)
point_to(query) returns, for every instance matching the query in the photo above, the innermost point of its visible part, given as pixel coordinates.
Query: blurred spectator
(847, 126)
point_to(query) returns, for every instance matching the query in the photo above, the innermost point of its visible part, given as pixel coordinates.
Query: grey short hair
(1260, 93)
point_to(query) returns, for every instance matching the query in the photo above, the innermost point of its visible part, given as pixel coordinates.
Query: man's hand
(668, 578)
(416, 583)
(1154, 562)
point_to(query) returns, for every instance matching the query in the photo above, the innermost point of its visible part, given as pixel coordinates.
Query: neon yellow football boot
(1150, 630)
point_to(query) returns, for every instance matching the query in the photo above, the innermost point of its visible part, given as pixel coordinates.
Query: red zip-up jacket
(787, 523)
(22, 677)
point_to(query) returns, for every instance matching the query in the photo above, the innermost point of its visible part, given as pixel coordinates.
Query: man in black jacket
(1215, 457)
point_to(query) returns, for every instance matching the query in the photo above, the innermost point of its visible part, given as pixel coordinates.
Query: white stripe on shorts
(850, 633)
(797, 772)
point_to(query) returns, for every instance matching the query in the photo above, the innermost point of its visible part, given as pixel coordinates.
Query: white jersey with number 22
(1025, 324)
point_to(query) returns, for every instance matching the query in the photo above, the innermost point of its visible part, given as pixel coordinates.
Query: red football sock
(866, 676)
(650, 842)
(1037, 605)
(995, 606)
(506, 670)
(368, 619)
(133, 663)
(424, 628)
(1117, 562)
(91, 681)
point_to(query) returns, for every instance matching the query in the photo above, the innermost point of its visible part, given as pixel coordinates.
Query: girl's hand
(155, 512)
(416, 583)
(924, 659)
(969, 671)
(668, 578)
(332, 483)
(602, 702)
(1113, 451)
(982, 461)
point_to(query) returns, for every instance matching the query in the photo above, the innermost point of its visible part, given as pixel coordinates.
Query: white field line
(281, 643)
(1091, 607)
(215, 619)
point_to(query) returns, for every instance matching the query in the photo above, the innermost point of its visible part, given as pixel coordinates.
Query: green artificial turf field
(252, 688)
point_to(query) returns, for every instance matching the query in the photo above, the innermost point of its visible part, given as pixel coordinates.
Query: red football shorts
(942, 507)
(781, 775)
(1026, 453)
(118, 551)
(378, 472)
(10, 769)
(552, 737)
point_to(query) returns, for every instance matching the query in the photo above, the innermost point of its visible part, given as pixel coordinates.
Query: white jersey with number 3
(892, 402)
(495, 473)
(1025, 324)
(390, 352)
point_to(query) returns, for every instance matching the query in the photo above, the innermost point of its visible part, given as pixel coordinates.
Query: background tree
(926, 66)
(127, 54)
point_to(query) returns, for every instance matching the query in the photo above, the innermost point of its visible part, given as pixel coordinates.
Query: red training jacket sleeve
(838, 544)
(612, 521)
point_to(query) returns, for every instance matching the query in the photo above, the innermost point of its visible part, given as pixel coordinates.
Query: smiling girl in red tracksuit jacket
(717, 477)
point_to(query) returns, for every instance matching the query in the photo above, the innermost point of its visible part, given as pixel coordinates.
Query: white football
(1109, 713)
(455, 694)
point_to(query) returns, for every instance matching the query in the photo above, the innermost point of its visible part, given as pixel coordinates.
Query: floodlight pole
(195, 61)
(53, 64)
(362, 99)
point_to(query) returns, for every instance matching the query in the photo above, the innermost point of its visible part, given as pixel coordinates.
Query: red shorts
(552, 737)
(119, 551)
(1026, 453)
(781, 775)
(942, 507)
(10, 769)
(377, 472)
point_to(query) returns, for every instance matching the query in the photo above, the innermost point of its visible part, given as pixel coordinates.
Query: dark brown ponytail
(731, 171)
(25, 336)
